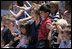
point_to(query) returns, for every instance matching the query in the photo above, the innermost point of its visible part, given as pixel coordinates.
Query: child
(67, 13)
(66, 38)
(55, 32)
(54, 15)
(25, 38)
(9, 32)
(43, 32)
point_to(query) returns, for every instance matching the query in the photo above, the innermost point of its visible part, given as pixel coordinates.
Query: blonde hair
(8, 18)
(62, 23)
(55, 3)
(36, 9)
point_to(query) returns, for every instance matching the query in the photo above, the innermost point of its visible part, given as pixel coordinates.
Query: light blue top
(67, 45)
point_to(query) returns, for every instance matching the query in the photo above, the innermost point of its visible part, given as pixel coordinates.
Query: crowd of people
(46, 27)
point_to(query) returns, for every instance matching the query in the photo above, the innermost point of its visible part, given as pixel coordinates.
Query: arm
(9, 44)
(25, 19)
(17, 38)
(18, 14)
(59, 35)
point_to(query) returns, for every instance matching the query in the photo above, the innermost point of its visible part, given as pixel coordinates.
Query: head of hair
(20, 3)
(36, 9)
(45, 8)
(62, 22)
(25, 25)
(8, 18)
(55, 3)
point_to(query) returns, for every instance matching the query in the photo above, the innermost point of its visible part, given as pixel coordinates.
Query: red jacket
(43, 32)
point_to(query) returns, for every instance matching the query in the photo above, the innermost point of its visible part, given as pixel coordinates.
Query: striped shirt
(54, 17)
(54, 41)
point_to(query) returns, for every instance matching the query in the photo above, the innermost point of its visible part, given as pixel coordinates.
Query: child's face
(43, 14)
(53, 8)
(23, 30)
(65, 36)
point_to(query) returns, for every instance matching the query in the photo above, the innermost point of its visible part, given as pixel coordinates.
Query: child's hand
(16, 38)
(14, 34)
(49, 26)
(20, 36)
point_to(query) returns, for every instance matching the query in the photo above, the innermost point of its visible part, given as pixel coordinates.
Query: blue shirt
(67, 45)
(20, 17)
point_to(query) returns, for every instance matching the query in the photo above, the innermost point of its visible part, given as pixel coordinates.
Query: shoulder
(48, 20)
(65, 12)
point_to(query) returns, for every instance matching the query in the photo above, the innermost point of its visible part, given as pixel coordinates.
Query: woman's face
(34, 16)
(53, 8)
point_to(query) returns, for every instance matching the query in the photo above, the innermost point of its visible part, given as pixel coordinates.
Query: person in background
(55, 33)
(17, 13)
(45, 27)
(66, 38)
(67, 13)
(54, 15)
(24, 36)
(9, 32)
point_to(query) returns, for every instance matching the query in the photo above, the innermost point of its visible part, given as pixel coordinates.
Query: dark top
(7, 37)
(34, 32)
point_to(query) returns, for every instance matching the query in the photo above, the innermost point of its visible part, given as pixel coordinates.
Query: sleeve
(60, 46)
(11, 37)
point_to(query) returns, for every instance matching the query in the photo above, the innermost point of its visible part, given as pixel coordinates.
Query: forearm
(25, 19)
(50, 36)
(59, 39)
(8, 45)
(13, 13)
(18, 14)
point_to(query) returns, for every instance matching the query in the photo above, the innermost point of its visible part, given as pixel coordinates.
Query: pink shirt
(67, 16)
(23, 41)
